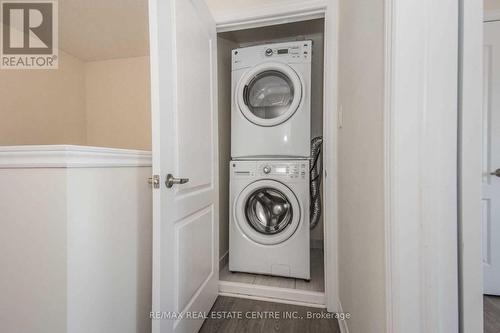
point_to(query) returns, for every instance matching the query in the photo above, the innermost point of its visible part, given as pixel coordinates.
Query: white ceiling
(103, 29)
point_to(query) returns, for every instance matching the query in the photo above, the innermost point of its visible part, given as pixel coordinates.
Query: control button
(267, 169)
(269, 52)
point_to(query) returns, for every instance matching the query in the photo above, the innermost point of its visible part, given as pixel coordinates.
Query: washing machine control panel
(270, 169)
(284, 170)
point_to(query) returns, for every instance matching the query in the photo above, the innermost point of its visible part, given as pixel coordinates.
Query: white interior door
(491, 159)
(185, 216)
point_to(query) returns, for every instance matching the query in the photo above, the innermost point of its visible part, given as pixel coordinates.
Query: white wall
(361, 256)
(109, 253)
(422, 113)
(33, 250)
(75, 244)
(470, 170)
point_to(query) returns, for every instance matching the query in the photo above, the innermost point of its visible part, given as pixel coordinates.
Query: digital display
(280, 169)
(283, 51)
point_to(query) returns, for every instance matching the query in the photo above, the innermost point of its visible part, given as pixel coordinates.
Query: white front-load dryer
(271, 104)
(269, 218)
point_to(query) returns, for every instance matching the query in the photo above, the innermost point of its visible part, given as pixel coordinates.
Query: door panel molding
(193, 246)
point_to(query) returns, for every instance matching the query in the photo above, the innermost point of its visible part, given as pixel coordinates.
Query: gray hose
(316, 171)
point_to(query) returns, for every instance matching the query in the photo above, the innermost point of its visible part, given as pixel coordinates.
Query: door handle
(171, 180)
(495, 173)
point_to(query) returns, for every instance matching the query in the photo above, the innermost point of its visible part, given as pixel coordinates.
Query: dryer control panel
(271, 169)
(288, 52)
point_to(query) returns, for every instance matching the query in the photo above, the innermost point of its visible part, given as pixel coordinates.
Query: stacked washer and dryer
(270, 151)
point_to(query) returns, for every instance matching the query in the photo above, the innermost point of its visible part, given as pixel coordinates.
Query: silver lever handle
(495, 173)
(171, 180)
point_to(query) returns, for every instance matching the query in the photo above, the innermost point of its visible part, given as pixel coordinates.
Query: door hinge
(154, 181)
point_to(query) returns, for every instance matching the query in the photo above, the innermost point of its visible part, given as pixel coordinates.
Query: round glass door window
(268, 211)
(269, 94)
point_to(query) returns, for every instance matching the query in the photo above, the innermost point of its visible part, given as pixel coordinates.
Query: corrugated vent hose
(316, 171)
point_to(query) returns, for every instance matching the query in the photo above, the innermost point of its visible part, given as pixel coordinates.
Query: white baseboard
(272, 294)
(272, 300)
(342, 323)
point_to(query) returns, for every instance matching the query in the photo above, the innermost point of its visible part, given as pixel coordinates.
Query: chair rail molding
(70, 156)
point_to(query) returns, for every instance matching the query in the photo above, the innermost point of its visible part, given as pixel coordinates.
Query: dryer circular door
(269, 94)
(267, 212)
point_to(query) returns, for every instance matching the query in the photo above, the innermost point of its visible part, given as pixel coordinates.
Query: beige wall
(361, 167)
(43, 106)
(491, 5)
(99, 103)
(118, 103)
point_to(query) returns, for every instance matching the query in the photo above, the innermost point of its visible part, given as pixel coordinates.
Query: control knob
(267, 169)
(269, 52)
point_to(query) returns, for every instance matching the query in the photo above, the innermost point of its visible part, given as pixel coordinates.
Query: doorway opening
(491, 171)
(259, 286)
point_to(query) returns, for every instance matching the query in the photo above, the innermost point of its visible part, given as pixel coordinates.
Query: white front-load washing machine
(269, 218)
(271, 104)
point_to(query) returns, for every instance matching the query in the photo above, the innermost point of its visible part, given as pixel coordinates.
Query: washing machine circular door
(269, 94)
(267, 212)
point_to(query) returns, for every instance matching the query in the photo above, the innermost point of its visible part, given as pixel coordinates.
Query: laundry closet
(267, 246)
(83, 214)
